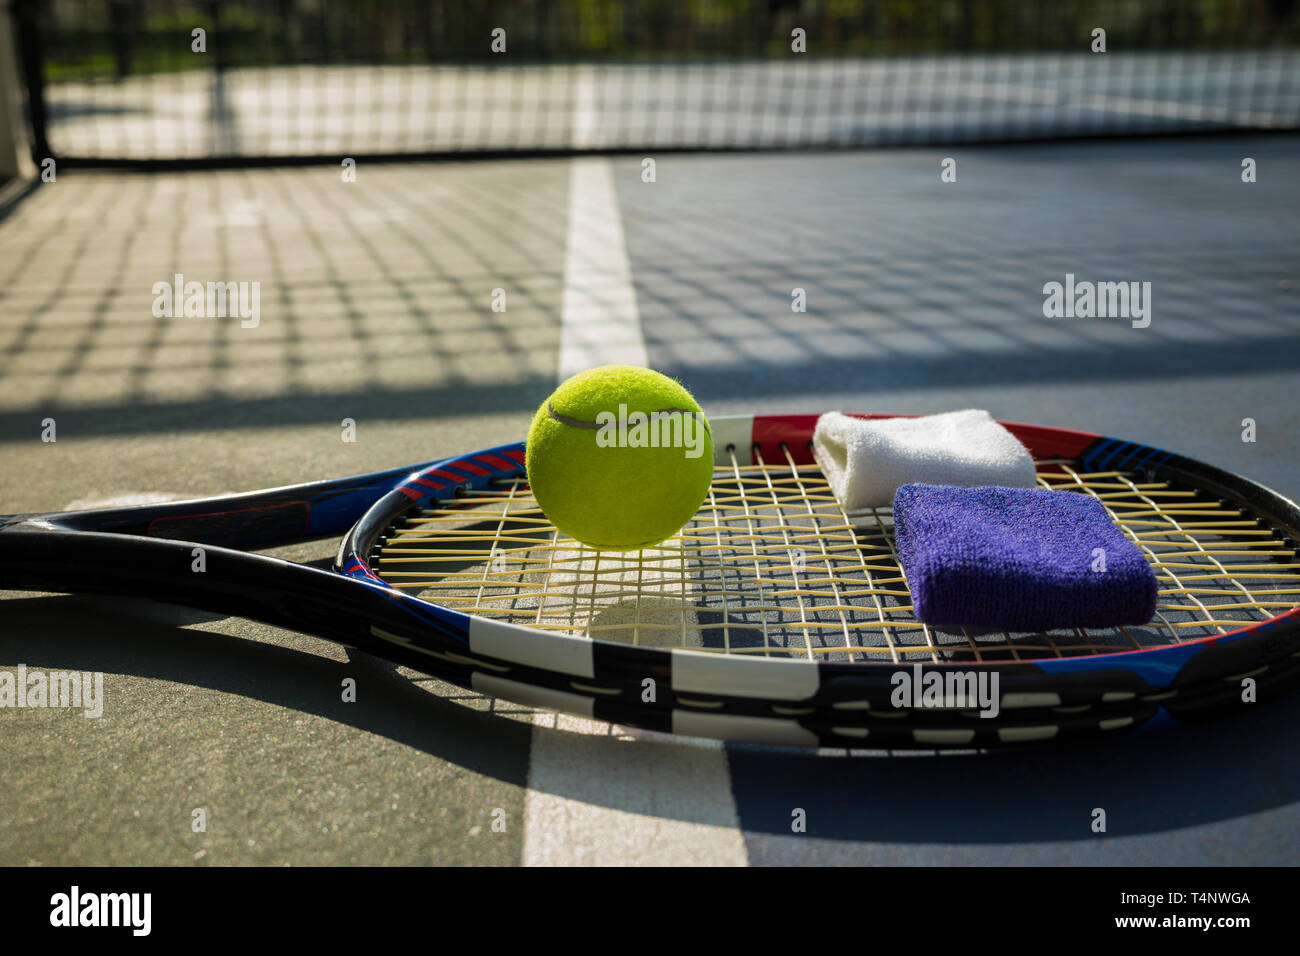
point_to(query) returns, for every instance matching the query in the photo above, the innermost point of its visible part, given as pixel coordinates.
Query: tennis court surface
(477, 180)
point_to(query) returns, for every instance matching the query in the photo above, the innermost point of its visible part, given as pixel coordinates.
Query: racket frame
(150, 550)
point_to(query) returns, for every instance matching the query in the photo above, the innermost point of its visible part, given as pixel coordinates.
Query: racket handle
(309, 600)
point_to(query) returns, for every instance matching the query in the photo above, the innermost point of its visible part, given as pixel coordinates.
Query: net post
(15, 148)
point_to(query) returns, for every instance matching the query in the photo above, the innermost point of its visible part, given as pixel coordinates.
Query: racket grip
(293, 596)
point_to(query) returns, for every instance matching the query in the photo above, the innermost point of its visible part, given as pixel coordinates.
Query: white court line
(600, 322)
(586, 129)
(595, 799)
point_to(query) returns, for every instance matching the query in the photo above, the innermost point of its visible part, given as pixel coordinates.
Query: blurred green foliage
(105, 38)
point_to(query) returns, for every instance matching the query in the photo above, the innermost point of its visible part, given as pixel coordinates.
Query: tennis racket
(773, 617)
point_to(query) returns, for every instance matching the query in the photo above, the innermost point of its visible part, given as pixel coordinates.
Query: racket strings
(771, 565)
(1206, 562)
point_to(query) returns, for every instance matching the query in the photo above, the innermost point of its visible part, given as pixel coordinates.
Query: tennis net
(185, 81)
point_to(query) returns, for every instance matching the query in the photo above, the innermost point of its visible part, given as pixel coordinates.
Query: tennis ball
(619, 457)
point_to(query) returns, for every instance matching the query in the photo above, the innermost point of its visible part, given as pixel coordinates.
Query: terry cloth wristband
(1018, 559)
(865, 462)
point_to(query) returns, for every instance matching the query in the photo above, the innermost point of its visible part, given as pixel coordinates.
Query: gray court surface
(923, 296)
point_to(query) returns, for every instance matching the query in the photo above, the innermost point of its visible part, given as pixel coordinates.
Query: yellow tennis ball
(619, 457)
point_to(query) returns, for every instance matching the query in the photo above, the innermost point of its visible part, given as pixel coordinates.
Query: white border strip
(737, 430)
(699, 672)
(531, 696)
(761, 730)
(522, 645)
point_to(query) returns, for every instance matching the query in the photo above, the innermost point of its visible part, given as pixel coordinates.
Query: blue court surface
(923, 296)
